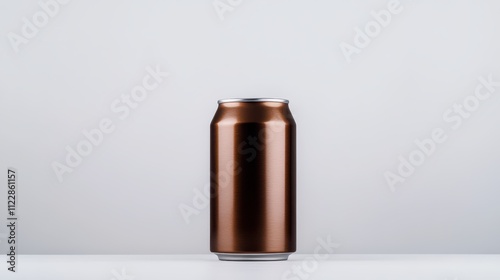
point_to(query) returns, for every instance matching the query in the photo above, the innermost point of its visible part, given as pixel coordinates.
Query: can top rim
(227, 100)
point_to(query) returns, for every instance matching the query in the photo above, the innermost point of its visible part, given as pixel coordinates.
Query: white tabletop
(298, 267)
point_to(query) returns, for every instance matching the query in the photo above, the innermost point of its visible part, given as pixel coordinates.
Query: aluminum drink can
(252, 180)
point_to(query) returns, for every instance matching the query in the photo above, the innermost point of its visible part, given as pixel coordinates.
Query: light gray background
(354, 120)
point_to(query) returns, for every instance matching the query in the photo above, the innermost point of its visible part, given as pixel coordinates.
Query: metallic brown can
(252, 170)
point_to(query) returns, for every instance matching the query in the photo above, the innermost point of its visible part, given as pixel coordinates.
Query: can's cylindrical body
(253, 184)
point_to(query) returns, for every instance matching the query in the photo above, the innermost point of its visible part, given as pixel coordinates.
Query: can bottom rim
(253, 257)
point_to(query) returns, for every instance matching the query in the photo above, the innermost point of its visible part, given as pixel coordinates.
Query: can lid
(226, 100)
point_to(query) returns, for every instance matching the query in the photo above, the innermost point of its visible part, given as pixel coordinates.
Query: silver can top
(227, 100)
